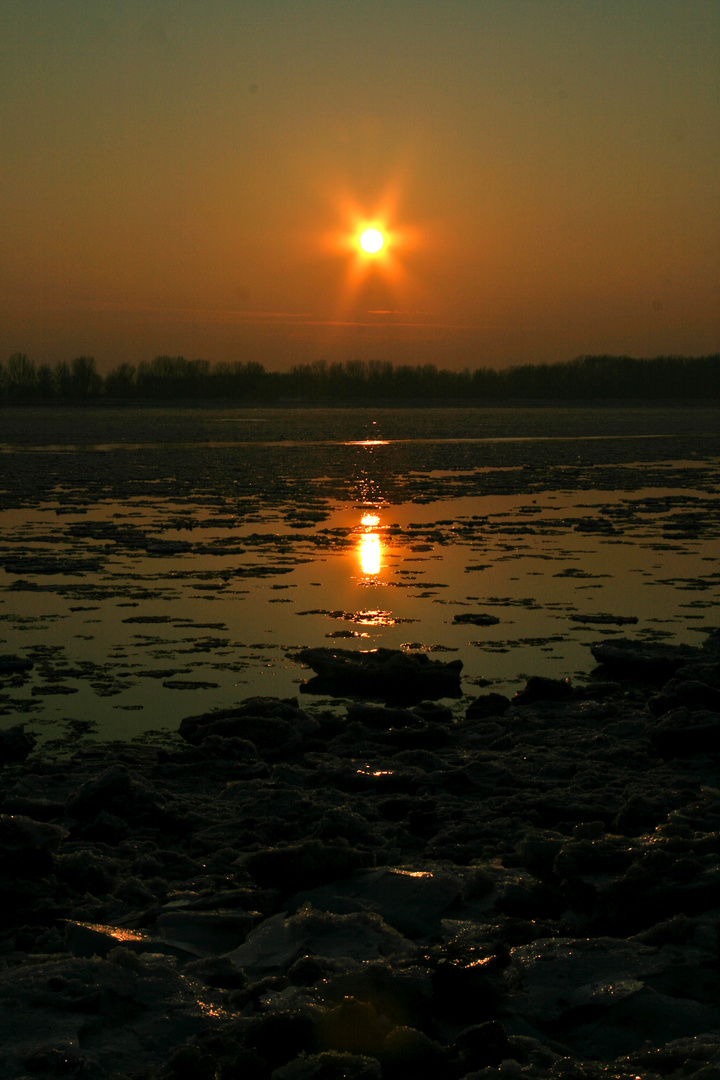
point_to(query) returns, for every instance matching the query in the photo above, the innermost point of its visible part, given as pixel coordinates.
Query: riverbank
(532, 890)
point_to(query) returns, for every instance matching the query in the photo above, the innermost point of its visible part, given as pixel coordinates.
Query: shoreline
(362, 403)
(532, 889)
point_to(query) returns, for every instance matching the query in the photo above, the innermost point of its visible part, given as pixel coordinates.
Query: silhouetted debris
(27, 846)
(475, 619)
(648, 659)
(385, 674)
(487, 705)
(540, 688)
(604, 619)
(684, 731)
(247, 718)
(10, 664)
(15, 744)
(691, 693)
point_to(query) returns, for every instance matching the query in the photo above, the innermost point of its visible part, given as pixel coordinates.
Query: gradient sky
(189, 177)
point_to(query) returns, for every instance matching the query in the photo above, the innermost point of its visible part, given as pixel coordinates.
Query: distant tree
(44, 382)
(84, 379)
(168, 377)
(237, 380)
(20, 375)
(120, 382)
(172, 377)
(62, 378)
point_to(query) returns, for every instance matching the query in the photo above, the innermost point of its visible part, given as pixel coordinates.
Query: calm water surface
(162, 562)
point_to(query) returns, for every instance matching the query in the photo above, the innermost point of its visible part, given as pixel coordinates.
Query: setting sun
(371, 241)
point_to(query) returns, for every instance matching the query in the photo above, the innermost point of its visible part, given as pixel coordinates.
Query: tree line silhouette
(170, 378)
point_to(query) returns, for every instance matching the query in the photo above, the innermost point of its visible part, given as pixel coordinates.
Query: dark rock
(385, 674)
(409, 1052)
(539, 688)
(85, 940)
(355, 1027)
(190, 1062)
(537, 851)
(681, 733)
(646, 659)
(205, 933)
(481, 1046)
(673, 931)
(295, 866)
(274, 946)
(611, 853)
(380, 717)
(424, 736)
(85, 872)
(27, 846)
(15, 744)
(280, 1036)
(105, 828)
(339, 822)
(403, 995)
(372, 781)
(711, 645)
(487, 705)
(463, 993)
(231, 748)
(118, 793)
(703, 670)
(411, 901)
(433, 712)
(329, 1065)
(690, 693)
(306, 971)
(530, 900)
(586, 806)
(636, 816)
(132, 1011)
(395, 808)
(597, 690)
(271, 724)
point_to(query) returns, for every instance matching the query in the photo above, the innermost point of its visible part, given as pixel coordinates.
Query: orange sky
(190, 178)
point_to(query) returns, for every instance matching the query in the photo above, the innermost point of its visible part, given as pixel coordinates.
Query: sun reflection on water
(369, 548)
(370, 554)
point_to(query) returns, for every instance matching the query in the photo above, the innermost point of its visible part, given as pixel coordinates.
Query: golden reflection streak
(370, 554)
(369, 548)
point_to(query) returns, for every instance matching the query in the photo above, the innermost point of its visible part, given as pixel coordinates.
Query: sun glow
(371, 241)
(373, 246)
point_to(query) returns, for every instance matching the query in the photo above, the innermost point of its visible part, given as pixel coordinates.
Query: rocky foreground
(299, 894)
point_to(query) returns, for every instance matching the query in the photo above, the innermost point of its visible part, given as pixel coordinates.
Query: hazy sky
(190, 177)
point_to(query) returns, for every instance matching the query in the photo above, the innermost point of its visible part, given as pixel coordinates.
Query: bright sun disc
(371, 241)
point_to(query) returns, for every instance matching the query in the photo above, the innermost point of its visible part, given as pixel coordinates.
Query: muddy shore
(532, 890)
